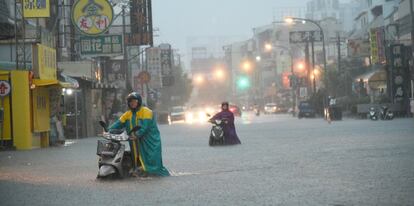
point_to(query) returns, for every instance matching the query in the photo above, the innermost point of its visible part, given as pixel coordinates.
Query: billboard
(45, 64)
(141, 23)
(103, 45)
(92, 17)
(36, 8)
(399, 68)
(116, 73)
(377, 46)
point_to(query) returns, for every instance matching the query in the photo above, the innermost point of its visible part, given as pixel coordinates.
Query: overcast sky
(179, 20)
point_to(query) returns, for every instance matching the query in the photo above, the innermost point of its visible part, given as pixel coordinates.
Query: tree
(179, 92)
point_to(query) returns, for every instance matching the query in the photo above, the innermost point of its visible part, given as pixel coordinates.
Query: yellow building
(26, 120)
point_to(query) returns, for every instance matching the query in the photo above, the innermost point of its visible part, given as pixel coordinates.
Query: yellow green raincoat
(149, 141)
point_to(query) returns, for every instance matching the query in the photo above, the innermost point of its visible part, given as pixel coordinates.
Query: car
(177, 113)
(235, 109)
(306, 110)
(197, 115)
(270, 108)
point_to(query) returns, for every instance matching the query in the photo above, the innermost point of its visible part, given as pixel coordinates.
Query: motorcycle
(257, 111)
(217, 133)
(372, 114)
(114, 159)
(386, 114)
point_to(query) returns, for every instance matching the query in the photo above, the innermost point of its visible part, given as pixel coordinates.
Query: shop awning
(45, 82)
(64, 81)
(68, 82)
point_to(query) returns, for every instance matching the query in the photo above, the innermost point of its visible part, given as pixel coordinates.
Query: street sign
(305, 36)
(144, 77)
(116, 73)
(399, 68)
(92, 17)
(4, 88)
(104, 45)
(36, 8)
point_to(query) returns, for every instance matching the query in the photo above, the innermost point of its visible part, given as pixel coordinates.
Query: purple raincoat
(229, 128)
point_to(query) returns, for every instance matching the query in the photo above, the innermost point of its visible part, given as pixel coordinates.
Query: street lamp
(219, 74)
(247, 66)
(199, 79)
(268, 47)
(290, 20)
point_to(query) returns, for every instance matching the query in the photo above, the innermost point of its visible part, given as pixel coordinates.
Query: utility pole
(338, 44)
(313, 67)
(412, 51)
(307, 67)
(127, 72)
(19, 35)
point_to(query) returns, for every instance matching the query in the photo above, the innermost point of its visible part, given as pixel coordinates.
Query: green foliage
(179, 93)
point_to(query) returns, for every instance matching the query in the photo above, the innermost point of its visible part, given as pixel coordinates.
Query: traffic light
(243, 82)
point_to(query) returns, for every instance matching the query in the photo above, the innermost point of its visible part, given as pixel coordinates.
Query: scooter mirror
(103, 124)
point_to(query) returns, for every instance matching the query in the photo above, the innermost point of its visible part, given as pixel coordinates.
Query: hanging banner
(116, 73)
(358, 48)
(398, 71)
(46, 62)
(377, 45)
(141, 23)
(41, 109)
(92, 17)
(36, 8)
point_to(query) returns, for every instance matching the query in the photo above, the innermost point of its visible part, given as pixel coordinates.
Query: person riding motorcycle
(256, 109)
(229, 128)
(147, 150)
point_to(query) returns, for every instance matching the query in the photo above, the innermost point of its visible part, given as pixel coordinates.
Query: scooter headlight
(109, 146)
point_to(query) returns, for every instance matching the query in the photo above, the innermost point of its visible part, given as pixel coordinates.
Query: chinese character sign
(104, 45)
(36, 8)
(377, 45)
(398, 77)
(305, 36)
(141, 23)
(92, 17)
(4, 88)
(116, 73)
(47, 62)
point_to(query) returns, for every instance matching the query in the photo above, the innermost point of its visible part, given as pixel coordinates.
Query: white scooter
(114, 160)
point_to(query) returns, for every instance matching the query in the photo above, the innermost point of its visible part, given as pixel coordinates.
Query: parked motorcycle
(373, 114)
(114, 159)
(217, 133)
(386, 114)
